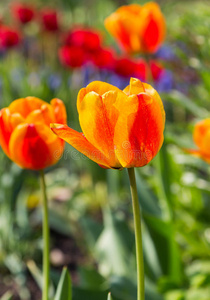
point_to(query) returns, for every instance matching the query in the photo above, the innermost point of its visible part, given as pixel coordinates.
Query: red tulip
(127, 67)
(88, 39)
(9, 37)
(23, 12)
(72, 56)
(104, 58)
(49, 19)
(156, 69)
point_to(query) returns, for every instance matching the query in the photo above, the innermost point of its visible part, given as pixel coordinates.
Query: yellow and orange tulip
(25, 134)
(201, 136)
(121, 129)
(137, 28)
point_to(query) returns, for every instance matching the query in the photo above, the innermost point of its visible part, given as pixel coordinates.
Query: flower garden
(104, 150)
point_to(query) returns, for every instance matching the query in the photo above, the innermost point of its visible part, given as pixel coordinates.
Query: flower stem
(46, 261)
(138, 235)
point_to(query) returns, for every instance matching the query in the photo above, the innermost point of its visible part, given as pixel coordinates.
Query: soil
(64, 252)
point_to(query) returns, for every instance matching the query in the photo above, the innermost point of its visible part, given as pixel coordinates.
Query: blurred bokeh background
(60, 50)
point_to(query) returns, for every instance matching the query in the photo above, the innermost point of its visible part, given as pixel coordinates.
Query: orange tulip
(201, 138)
(25, 135)
(121, 129)
(137, 28)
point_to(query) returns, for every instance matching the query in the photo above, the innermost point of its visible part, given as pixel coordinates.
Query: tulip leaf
(147, 199)
(80, 293)
(89, 278)
(64, 289)
(162, 233)
(114, 247)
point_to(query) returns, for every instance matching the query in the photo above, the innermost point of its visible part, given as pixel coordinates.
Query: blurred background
(54, 51)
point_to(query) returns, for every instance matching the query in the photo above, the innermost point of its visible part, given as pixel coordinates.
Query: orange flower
(25, 135)
(201, 138)
(137, 28)
(121, 129)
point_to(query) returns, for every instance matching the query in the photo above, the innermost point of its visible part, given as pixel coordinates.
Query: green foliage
(64, 289)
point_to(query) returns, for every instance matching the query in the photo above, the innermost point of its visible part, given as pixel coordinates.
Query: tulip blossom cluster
(120, 129)
(85, 48)
(25, 134)
(85, 45)
(10, 36)
(47, 17)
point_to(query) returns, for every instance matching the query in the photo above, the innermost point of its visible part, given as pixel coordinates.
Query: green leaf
(64, 289)
(148, 200)
(90, 279)
(88, 294)
(114, 248)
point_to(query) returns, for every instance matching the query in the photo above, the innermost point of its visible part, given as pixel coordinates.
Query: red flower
(9, 37)
(72, 56)
(156, 69)
(104, 58)
(88, 39)
(50, 20)
(141, 69)
(22, 12)
(127, 67)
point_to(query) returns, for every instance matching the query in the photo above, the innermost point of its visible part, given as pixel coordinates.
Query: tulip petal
(33, 146)
(144, 135)
(98, 87)
(98, 116)
(153, 32)
(59, 111)
(5, 129)
(44, 115)
(124, 25)
(25, 106)
(138, 87)
(201, 131)
(79, 142)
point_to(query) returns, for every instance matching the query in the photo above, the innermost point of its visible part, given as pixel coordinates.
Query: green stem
(46, 261)
(138, 235)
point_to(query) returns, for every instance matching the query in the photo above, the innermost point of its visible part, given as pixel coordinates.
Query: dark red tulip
(9, 37)
(49, 19)
(23, 13)
(156, 69)
(72, 56)
(88, 39)
(104, 58)
(127, 67)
